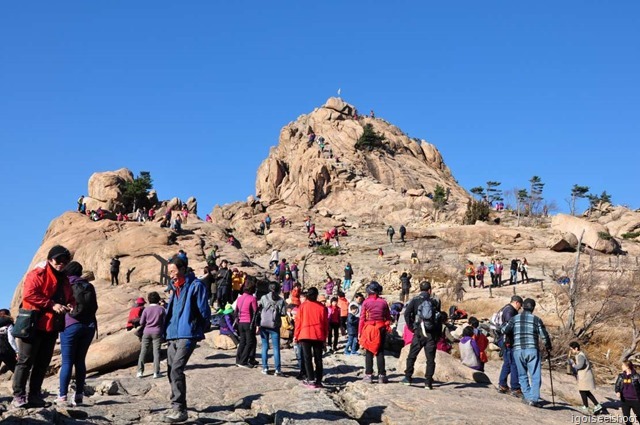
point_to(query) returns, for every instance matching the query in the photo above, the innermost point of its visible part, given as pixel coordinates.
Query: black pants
(114, 278)
(33, 361)
(368, 357)
(586, 396)
(472, 281)
(334, 329)
(417, 343)
(627, 405)
(8, 363)
(247, 345)
(312, 353)
(224, 295)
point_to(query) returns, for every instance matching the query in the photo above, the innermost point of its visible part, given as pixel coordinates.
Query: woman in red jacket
(311, 329)
(375, 321)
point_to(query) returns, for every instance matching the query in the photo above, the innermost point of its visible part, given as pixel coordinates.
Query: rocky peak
(304, 174)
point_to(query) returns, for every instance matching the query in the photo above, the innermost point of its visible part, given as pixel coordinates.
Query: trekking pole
(553, 396)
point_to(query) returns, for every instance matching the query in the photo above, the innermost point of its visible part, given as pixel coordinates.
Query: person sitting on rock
(469, 351)
(481, 341)
(8, 345)
(446, 340)
(414, 257)
(226, 323)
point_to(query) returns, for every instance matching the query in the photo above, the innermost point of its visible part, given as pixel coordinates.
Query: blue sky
(197, 92)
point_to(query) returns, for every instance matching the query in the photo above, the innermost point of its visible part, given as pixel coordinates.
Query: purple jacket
(152, 319)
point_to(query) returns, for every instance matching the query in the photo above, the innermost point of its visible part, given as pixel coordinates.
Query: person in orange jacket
(375, 323)
(311, 330)
(343, 304)
(47, 290)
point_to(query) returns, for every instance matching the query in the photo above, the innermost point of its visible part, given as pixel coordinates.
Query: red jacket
(374, 309)
(38, 291)
(312, 322)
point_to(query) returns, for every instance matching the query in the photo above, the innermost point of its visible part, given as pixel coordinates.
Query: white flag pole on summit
(339, 92)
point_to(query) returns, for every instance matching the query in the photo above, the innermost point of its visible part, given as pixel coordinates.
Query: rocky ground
(219, 393)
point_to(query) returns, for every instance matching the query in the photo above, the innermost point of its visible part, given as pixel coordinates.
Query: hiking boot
(517, 393)
(19, 402)
(367, 379)
(38, 401)
(406, 381)
(502, 389)
(176, 416)
(382, 379)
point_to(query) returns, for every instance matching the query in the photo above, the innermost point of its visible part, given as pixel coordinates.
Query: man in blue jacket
(188, 315)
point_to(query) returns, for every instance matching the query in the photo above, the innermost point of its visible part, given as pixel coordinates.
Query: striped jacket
(525, 330)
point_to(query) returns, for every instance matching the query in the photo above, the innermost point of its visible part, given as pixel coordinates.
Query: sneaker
(531, 403)
(517, 393)
(245, 366)
(347, 353)
(176, 416)
(277, 373)
(382, 379)
(157, 375)
(585, 410)
(597, 409)
(38, 401)
(78, 400)
(309, 384)
(406, 381)
(62, 401)
(503, 389)
(19, 402)
(265, 371)
(139, 375)
(367, 379)
(428, 386)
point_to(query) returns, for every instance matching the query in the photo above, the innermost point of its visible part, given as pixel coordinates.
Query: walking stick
(553, 396)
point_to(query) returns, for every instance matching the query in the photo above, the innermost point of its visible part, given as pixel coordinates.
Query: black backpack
(86, 302)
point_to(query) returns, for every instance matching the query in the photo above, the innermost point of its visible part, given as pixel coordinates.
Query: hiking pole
(553, 396)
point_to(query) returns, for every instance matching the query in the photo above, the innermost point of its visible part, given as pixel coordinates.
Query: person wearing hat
(375, 322)
(135, 314)
(226, 325)
(46, 289)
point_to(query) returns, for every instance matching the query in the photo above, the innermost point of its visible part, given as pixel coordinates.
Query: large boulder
(106, 188)
(563, 242)
(595, 234)
(113, 352)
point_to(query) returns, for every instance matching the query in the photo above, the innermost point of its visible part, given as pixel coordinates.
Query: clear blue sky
(196, 93)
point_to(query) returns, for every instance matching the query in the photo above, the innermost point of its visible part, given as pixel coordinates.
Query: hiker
(46, 290)
(505, 343)
(421, 316)
(328, 287)
(380, 253)
(261, 227)
(414, 257)
(226, 323)
(513, 268)
(446, 340)
(492, 271)
(287, 284)
(403, 232)
(459, 291)
(469, 352)
(246, 312)
(371, 114)
(208, 219)
(114, 268)
(481, 340)
(294, 270)
(358, 299)
(75, 339)
(212, 257)
(524, 270)
(267, 222)
(151, 322)
(282, 269)
(312, 138)
(627, 389)
(307, 223)
(348, 276)
(8, 344)
(224, 283)
(274, 259)
(480, 271)
(287, 326)
(353, 322)
(296, 292)
(185, 214)
(390, 232)
(499, 269)
(470, 273)
(237, 282)
(188, 315)
(311, 333)
(176, 224)
(343, 304)
(312, 231)
(80, 203)
(405, 286)
(208, 280)
(333, 314)
(375, 321)
(151, 214)
(581, 368)
(283, 221)
(525, 329)
(135, 314)
(272, 308)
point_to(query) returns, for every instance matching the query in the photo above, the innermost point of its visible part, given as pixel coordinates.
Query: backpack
(497, 320)
(269, 314)
(5, 348)
(428, 316)
(86, 302)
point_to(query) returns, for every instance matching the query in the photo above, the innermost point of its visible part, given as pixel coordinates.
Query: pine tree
(577, 192)
(535, 194)
(439, 197)
(369, 140)
(478, 191)
(493, 193)
(134, 194)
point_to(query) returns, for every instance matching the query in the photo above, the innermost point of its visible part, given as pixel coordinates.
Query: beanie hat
(140, 301)
(58, 251)
(73, 269)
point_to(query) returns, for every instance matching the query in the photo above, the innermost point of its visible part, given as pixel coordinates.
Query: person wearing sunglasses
(46, 290)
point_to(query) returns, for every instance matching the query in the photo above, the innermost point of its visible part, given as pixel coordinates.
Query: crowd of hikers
(58, 299)
(476, 274)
